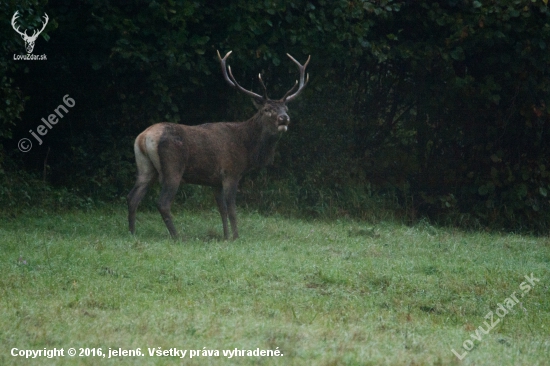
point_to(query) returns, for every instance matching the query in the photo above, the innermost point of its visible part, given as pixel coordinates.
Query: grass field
(319, 292)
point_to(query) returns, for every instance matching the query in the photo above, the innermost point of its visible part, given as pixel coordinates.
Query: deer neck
(260, 142)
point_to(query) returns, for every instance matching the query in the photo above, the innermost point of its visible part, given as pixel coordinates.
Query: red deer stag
(211, 154)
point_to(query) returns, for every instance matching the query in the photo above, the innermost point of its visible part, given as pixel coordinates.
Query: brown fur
(211, 154)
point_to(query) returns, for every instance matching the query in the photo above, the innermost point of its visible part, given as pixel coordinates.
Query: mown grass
(325, 293)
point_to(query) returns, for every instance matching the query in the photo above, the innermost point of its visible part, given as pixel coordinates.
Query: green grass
(324, 293)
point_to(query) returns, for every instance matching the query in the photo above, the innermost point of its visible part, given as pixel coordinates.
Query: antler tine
(231, 79)
(224, 68)
(263, 85)
(302, 83)
(291, 90)
(247, 92)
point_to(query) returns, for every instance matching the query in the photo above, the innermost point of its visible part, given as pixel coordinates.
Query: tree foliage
(440, 104)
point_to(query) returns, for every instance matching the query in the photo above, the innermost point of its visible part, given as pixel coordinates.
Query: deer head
(29, 40)
(272, 112)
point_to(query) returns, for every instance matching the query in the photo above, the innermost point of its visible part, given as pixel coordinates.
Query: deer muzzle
(283, 121)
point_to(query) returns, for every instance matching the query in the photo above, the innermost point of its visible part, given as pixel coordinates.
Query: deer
(29, 40)
(211, 154)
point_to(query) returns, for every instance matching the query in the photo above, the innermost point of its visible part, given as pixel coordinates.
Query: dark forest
(435, 110)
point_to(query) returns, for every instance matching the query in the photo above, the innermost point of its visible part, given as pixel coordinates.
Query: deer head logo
(29, 40)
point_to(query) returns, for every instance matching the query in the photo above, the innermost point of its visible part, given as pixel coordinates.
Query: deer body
(211, 154)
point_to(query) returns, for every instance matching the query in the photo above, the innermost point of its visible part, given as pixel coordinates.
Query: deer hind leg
(231, 197)
(146, 174)
(170, 161)
(168, 192)
(222, 207)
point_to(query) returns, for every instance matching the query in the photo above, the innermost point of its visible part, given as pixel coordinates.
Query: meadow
(319, 292)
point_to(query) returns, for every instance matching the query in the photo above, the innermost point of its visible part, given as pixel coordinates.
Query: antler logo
(29, 40)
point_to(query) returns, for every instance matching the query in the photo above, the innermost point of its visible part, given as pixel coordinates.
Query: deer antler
(286, 98)
(24, 34)
(302, 84)
(263, 86)
(13, 19)
(231, 79)
(35, 34)
(290, 91)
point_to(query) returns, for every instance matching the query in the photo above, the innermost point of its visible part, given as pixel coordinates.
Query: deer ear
(258, 103)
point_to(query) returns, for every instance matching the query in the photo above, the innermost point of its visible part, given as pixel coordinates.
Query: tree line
(433, 109)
